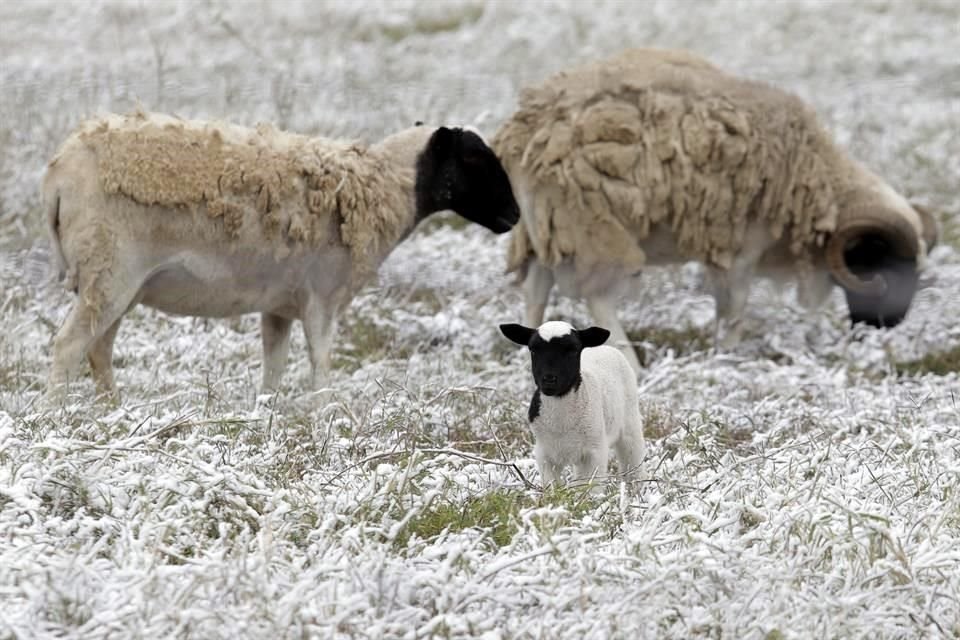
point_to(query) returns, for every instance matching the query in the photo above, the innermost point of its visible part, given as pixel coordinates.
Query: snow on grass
(805, 485)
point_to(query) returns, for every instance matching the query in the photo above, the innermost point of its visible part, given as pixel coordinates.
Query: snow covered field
(806, 485)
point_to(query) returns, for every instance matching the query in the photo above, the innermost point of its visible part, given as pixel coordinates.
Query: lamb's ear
(517, 333)
(593, 337)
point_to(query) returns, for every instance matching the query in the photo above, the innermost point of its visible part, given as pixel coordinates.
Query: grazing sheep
(212, 219)
(659, 157)
(585, 401)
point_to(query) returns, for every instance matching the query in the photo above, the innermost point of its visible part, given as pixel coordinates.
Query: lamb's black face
(555, 350)
(458, 171)
(556, 364)
(873, 256)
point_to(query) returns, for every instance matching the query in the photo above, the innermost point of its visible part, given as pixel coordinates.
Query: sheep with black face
(658, 157)
(213, 219)
(585, 401)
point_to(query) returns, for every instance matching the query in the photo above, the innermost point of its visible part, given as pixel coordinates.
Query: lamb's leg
(101, 360)
(551, 473)
(604, 312)
(319, 324)
(593, 464)
(536, 289)
(631, 449)
(275, 335)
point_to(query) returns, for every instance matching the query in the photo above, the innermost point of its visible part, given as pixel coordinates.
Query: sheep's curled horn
(893, 227)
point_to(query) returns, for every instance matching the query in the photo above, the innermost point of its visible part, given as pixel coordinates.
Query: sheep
(655, 157)
(212, 219)
(585, 401)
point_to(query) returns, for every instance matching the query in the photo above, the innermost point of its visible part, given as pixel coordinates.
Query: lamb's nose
(549, 379)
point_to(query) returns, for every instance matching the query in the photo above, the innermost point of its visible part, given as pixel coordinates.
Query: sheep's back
(292, 184)
(650, 138)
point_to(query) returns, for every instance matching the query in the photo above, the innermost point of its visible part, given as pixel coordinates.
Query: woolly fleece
(614, 149)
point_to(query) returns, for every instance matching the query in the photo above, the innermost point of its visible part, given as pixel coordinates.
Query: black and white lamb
(585, 401)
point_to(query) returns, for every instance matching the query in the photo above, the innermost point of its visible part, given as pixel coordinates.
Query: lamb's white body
(579, 428)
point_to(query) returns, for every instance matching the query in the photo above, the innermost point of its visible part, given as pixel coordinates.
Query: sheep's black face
(872, 256)
(555, 350)
(458, 171)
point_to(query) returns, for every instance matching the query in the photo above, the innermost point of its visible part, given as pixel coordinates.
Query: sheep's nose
(549, 379)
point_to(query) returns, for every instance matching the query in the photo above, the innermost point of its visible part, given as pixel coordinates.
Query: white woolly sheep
(212, 219)
(658, 157)
(585, 401)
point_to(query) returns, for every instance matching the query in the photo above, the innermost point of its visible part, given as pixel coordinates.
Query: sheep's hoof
(55, 395)
(322, 396)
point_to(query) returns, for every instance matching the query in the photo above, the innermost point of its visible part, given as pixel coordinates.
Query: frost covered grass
(805, 485)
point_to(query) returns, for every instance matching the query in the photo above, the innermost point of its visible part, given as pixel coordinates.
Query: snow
(801, 486)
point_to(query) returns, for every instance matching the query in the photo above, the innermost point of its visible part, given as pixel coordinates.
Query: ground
(803, 485)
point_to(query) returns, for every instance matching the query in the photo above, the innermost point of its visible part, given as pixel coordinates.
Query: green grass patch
(658, 422)
(939, 363)
(433, 23)
(950, 232)
(649, 341)
(11, 370)
(363, 340)
(496, 513)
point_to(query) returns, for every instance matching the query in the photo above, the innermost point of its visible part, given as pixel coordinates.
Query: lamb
(585, 401)
(655, 157)
(213, 219)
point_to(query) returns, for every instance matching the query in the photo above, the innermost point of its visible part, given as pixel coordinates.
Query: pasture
(804, 485)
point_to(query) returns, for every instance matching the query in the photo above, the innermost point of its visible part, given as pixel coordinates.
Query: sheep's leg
(319, 323)
(721, 300)
(275, 335)
(813, 289)
(101, 360)
(536, 289)
(70, 345)
(84, 328)
(604, 312)
(731, 288)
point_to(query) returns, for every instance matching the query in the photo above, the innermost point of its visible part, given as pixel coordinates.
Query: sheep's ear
(441, 142)
(593, 337)
(517, 333)
(473, 148)
(931, 228)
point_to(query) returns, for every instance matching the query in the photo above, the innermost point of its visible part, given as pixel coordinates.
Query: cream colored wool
(251, 185)
(215, 220)
(653, 139)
